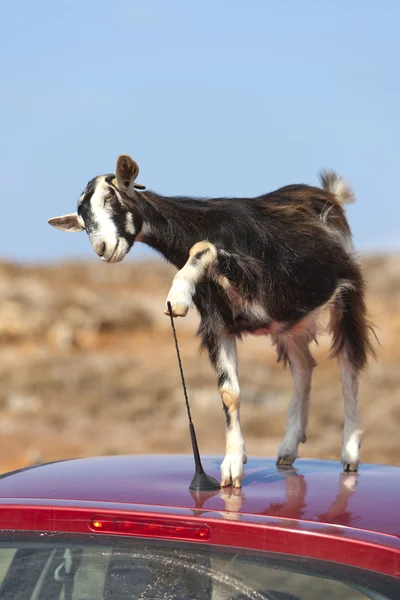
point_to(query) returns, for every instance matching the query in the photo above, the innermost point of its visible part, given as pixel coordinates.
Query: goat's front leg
(201, 257)
(223, 356)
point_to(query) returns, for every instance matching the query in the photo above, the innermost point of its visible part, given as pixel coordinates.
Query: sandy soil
(87, 367)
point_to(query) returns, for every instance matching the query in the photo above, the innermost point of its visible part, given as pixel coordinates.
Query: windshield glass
(127, 570)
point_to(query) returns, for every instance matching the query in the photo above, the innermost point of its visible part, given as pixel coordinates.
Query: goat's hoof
(351, 454)
(180, 298)
(285, 461)
(232, 471)
(287, 452)
(177, 310)
(350, 467)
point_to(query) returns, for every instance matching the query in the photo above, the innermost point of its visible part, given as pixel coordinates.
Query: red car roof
(313, 492)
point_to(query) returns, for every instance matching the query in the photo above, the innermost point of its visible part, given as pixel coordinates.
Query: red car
(120, 528)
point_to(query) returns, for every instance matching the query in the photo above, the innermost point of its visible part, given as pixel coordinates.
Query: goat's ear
(127, 171)
(67, 223)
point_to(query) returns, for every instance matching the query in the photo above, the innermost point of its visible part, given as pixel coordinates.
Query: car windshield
(119, 569)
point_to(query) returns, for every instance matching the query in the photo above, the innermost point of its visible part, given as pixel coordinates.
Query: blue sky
(211, 98)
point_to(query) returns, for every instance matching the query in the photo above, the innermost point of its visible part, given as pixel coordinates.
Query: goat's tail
(348, 325)
(331, 182)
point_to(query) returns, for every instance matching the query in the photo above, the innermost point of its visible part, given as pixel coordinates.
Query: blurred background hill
(88, 367)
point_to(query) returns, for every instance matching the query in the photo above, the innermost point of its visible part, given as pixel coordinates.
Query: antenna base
(202, 482)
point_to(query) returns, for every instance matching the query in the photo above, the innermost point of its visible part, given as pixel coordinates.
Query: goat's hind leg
(352, 423)
(296, 351)
(351, 345)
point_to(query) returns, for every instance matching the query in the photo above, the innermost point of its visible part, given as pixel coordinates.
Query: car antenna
(201, 482)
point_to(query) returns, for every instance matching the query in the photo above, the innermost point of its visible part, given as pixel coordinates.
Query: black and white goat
(265, 265)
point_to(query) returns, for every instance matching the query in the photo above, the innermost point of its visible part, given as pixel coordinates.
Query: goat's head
(108, 212)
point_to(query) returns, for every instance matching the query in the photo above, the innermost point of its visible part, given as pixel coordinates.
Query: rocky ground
(88, 367)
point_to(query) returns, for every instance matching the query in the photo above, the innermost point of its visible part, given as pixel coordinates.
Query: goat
(265, 265)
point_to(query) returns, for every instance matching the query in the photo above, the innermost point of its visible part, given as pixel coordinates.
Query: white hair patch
(129, 226)
(106, 226)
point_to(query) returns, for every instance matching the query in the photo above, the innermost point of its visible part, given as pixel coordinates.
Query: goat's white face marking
(109, 223)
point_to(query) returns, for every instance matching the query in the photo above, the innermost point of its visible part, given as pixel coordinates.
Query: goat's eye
(108, 198)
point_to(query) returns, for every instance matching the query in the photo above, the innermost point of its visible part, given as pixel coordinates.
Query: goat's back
(290, 250)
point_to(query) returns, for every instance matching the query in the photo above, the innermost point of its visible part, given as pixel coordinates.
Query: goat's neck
(169, 226)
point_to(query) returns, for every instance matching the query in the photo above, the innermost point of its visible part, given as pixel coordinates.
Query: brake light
(147, 527)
